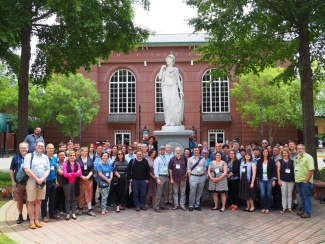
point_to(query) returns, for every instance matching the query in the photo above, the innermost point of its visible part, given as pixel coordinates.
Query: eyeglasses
(264, 142)
(72, 155)
(120, 154)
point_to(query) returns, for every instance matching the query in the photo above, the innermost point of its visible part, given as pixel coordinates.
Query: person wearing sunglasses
(119, 180)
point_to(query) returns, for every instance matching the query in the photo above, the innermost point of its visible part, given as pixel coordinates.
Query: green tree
(278, 100)
(250, 35)
(61, 100)
(71, 34)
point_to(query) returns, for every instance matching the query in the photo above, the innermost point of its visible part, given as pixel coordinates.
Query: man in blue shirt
(161, 173)
(50, 187)
(130, 155)
(32, 139)
(18, 190)
(169, 190)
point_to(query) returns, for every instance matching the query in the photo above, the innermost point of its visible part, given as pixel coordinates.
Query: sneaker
(305, 215)
(234, 207)
(230, 208)
(91, 213)
(80, 212)
(20, 219)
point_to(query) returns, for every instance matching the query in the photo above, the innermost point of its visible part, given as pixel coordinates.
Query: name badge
(178, 166)
(165, 170)
(199, 169)
(296, 168)
(264, 172)
(243, 170)
(217, 171)
(52, 167)
(107, 174)
(287, 171)
(85, 167)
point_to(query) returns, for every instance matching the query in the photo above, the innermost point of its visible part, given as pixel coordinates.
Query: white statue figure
(172, 92)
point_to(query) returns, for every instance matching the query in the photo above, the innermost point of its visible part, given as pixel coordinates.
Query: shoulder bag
(21, 176)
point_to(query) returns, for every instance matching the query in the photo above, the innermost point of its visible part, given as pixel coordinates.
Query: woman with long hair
(247, 188)
(86, 181)
(151, 187)
(119, 180)
(104, 175)
(91, 152)
(266, 175)
(71, 171)
(217, 172)
(233, 179)
(113, 154)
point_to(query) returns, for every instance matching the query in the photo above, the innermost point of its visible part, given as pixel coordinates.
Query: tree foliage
(279, 101)
(250, 35)
(71, 34)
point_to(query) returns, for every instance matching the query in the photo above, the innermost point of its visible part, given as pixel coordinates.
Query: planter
(319, 189)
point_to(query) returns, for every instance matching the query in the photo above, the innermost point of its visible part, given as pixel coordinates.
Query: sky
(165, 17)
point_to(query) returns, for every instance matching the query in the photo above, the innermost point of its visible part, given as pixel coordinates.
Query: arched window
(159, 100)
(122, 92)
(215, 96)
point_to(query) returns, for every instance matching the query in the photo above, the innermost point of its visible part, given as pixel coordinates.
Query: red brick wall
(145, 90)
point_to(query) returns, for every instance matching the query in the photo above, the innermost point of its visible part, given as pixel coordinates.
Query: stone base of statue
(173, 135)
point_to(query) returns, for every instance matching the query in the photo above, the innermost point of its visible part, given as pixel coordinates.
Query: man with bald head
(177, 171)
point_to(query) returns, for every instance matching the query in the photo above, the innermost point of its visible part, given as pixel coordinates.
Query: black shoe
(28, 218)
(143, 208)
(197, 208)
(294, 206)
(190, 209)
(20, 219)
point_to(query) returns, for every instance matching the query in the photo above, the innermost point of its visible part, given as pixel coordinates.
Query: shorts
(33, 192)
(20, 192)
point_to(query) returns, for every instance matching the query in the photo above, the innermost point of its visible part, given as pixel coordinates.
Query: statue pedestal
(173, 135)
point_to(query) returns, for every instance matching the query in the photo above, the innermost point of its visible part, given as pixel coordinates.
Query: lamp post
(8, 121)
(262, 127)
(80, 121)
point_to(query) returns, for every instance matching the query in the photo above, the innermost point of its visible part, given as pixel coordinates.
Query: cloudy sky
(165, 16)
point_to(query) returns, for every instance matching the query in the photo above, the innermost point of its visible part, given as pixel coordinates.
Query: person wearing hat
(172, 92)
(161, 173)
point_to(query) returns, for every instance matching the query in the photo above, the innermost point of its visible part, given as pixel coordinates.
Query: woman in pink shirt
(71, 171)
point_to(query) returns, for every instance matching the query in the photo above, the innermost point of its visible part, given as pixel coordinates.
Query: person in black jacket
(138, 173)
(233, 179)
(266, 175)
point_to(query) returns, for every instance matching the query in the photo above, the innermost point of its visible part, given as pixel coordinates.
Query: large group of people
(140, 176)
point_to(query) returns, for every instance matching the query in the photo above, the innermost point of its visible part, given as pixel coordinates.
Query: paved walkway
(178, 226)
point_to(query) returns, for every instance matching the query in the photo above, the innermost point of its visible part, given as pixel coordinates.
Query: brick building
(131, 102)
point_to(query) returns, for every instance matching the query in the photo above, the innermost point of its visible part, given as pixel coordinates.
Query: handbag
(21, 176)
(41, 185)
(103, 184)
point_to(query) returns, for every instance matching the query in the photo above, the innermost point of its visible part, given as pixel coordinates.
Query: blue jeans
(139, 187)
(266, 193)
(304, 192)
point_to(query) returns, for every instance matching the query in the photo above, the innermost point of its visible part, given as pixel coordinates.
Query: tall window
(159, 99)
(122, 92)
(122, 137)
(215, 96)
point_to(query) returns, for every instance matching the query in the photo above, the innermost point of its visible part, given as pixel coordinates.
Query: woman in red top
(71, 171)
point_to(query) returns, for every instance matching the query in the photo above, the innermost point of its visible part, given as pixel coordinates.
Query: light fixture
(191, 62)
(99, 64)
(145, 63)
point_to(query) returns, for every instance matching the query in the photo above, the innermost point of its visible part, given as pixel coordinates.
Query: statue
(172, 92)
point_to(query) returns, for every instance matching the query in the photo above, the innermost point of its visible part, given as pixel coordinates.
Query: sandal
(175, 207)
(283, 211)
(183, 208)
(103, 212)
(290, 211)
(263, 211)
(267, 211)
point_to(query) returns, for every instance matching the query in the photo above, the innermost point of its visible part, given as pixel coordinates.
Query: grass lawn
(2, 203)
(5, 179)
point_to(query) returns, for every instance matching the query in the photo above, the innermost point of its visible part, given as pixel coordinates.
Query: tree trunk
(307, 96)
(23, 85)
